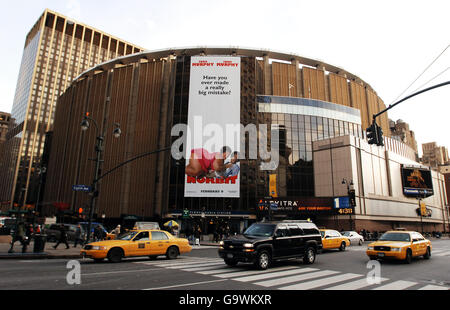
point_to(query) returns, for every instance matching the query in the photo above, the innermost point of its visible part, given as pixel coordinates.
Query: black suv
(265, 242)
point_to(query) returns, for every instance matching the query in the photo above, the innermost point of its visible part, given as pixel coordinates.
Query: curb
(38, 256)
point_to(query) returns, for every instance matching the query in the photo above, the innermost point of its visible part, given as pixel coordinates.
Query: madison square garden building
(300, 110)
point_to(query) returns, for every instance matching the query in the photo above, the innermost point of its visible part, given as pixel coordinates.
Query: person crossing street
(62, 237)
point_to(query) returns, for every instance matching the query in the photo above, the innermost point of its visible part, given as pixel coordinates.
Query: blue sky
(386, 43)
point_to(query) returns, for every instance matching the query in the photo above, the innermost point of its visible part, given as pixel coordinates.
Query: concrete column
(298, 78)
(267, 76)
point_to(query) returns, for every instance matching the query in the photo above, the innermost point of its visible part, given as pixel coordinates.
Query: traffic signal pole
(374, 132)
(409, 97)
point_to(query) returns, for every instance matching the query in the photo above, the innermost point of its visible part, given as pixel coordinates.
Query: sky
(388, 44)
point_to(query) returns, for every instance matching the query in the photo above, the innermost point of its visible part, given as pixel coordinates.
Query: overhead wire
(435, 77)
(420, 75)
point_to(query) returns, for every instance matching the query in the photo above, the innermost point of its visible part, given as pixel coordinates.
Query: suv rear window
(295, 230)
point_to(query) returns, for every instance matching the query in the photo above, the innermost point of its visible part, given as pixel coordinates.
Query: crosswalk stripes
(214, 266)
(354, 285)
(322, 282)
(252, 272)
(397, 285)
(195, 265)
(274, 274)
(433, 288)
(225, 269)
(446, 253)
(287, 277)
(297, 278)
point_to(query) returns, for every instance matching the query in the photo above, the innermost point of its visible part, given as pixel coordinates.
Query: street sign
(342, 202)
(186, 213)
(81, 188)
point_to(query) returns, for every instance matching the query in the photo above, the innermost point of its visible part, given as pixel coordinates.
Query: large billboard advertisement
(417, 182)
(213, 134)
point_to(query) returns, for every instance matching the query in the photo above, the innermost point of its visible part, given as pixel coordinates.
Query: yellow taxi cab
(401, 245)
(134, 243)
(332, 239)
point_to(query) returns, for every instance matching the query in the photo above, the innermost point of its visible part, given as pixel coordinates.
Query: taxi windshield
(395, 237)
(260, 230)
(127, 235)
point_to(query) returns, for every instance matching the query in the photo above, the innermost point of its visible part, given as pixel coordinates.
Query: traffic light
(375, 134)
(380, 141)
(352, 197)
(372, 133)
(423, 209)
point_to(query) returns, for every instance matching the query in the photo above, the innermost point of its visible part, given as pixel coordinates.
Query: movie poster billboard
(417, 182)
(213, 135)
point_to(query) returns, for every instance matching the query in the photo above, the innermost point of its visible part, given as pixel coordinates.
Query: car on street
(332, 239)
(53, 232)
(108, 235)
(3, 220)
(400, 245)
(354, 237)
(151, 243)
(265, 242)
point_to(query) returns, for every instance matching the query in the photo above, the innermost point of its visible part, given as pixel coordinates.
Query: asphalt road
(202, 270)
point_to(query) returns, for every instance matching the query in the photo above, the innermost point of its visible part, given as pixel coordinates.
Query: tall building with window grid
(57, 50)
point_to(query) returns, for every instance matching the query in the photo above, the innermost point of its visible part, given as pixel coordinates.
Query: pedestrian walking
(78, 236)
(28, 235)
(19, 235)
(62, 237)
(116, 231)
(97, 233)
(197, 235)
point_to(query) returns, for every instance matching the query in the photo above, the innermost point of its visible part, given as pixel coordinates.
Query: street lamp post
(350, 187)
(42, 171)
(99, 150)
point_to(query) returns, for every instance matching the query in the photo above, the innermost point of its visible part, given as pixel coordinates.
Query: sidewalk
(49, 251)
(60, 252)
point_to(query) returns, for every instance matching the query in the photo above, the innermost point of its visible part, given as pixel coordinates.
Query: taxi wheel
(172, 252)
(427, 253)
(408, 257)
(342, 247)
(115, 255)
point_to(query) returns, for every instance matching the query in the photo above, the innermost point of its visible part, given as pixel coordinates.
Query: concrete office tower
(400, 131)
(434, 155)
(5, 119)
(57, 49)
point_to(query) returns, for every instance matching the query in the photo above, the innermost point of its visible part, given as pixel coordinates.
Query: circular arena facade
(302, 99)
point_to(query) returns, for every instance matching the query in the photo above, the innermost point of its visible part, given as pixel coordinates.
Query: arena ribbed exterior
(147, 93)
